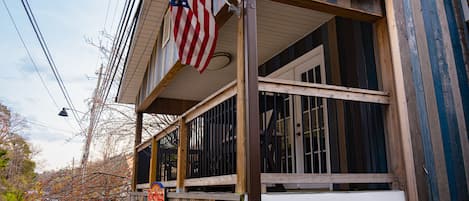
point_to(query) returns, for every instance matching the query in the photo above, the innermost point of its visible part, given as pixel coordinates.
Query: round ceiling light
(219, 60)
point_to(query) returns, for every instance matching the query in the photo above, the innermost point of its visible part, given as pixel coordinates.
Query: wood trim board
(323, 90)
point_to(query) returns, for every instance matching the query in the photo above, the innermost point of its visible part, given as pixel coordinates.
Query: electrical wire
(50, 60)
(36, 69)
(126, 31)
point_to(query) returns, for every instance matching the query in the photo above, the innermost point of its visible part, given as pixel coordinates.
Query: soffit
(147, 29)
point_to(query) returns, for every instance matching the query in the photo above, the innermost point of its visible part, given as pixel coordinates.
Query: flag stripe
(195, 36)
(205, 41)
(184, 35)
(195, 31)
(207, 52)
(198, 43)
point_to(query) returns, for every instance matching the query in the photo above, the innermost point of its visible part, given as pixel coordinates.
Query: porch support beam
(182, 156)
(360, 10)
(138, 140)
(240, 107)
(391, 119)
(248, 138)
(170, 106)
(160, 87)
(401, 103)
(153, 160)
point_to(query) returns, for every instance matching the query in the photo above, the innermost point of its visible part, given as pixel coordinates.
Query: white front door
(310, 128)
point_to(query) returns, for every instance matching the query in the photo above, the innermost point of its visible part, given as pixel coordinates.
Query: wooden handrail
(143, 186)
(322, 90)
(216, 98)
(289, 178)
(212, 181)
(170, 128)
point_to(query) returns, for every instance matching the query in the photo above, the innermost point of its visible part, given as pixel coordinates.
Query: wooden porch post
(138, 140)
(401, 104)
(182, 156)
(248, 151)
(153, 160)
(393, 149)
(240, 109)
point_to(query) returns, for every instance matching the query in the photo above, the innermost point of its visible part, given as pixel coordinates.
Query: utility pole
(89, 133)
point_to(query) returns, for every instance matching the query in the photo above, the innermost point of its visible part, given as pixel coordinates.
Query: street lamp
(64, 113)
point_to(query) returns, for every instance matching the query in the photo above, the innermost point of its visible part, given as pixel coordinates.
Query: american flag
(195, 31)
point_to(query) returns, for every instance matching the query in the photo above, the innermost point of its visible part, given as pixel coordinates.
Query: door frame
(292, 71)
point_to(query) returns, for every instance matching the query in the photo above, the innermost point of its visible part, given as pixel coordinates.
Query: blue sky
(64, 24)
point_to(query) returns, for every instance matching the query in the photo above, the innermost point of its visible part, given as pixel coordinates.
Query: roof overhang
(143, 41)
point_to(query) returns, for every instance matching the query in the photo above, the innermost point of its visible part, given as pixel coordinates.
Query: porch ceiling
(279, 25)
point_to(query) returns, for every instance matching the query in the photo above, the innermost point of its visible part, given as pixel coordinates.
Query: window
(166, 28)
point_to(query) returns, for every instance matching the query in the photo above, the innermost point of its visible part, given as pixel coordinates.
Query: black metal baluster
(302, 100)
(201, 149)
(235, 128)
(198, 148)
(285, 133)
(205, 129)
(220, 141)
(276, 151)
(217, 139)
(265, 157)
(189, 150)
(232, 135)
(294, 168)
(223, 140)
(211, 150)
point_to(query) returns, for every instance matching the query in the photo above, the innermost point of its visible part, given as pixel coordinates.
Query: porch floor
(337, 196)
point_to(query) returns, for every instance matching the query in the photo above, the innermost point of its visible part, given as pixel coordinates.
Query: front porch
(203, 140)
(327, 113)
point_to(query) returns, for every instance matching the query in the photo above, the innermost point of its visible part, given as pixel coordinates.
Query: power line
(118, 50)
(114, 15)
(107, 14)
(36, 69)
(44, 125)
(50, 60)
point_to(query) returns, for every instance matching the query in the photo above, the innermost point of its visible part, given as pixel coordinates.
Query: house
(307, 99)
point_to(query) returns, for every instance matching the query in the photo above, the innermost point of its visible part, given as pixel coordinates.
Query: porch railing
(210, 148)
(212, 141)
